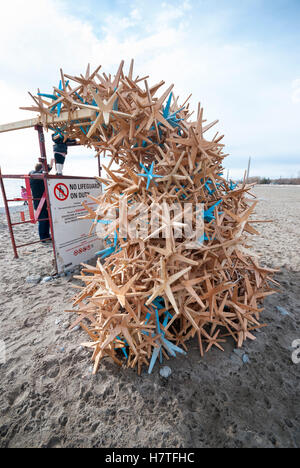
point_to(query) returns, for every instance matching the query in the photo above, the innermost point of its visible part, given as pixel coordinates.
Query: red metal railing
(34, 214)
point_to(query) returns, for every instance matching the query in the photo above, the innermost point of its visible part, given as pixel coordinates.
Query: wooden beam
(18, 125)
(81, 114)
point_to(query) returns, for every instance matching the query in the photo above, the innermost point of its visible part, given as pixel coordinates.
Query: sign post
(73, 244)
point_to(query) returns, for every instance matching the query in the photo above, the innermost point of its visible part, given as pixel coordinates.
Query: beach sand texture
(248, 398)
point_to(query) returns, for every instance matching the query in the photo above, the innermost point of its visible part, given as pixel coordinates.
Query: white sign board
(73, 244)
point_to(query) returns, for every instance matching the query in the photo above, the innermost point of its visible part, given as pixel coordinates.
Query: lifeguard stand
(37, 124)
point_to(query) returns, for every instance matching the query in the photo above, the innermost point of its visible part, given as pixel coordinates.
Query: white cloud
(296, 91)
(237, 82)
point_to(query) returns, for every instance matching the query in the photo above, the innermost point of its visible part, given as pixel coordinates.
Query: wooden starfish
(119, 293)
(165, 286)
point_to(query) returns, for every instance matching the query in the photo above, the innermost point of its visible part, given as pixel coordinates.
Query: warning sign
(61, 192)
(73, 244)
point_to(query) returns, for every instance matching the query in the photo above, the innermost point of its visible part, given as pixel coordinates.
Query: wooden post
(43, 158)
(99, 165)
(248, 170)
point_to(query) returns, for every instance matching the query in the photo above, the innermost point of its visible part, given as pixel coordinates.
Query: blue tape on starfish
(55, 97)
(59, 104)
(104, 221)
(167, 344)
(166, 110)
(183, 196)
(208, 214)
(116, 103)
(153, 359)
(174, 348)
(115, 238)
(148, 315)
(157, 321)
(79, 97)
(59, 131)
(170, 118)
(159, 302)
(167, 317)
(170, 347)
(203, 238)
(123, 349)
(207, 183)
(149, 174)
(112, 248)
(105, 252)
(49, 96)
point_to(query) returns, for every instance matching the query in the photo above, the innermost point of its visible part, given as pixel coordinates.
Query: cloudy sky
(239, 58)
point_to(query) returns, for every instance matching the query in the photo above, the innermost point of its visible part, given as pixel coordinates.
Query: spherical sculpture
(175, 262)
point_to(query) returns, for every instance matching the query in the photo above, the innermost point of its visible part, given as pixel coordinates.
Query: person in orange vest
(24, 195)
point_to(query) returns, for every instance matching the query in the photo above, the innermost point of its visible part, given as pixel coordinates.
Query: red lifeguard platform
(61, 249)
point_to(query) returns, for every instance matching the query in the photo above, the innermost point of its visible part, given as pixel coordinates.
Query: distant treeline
(281, 181)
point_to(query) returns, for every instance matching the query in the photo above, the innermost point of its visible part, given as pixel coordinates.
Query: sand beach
(239, 398)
